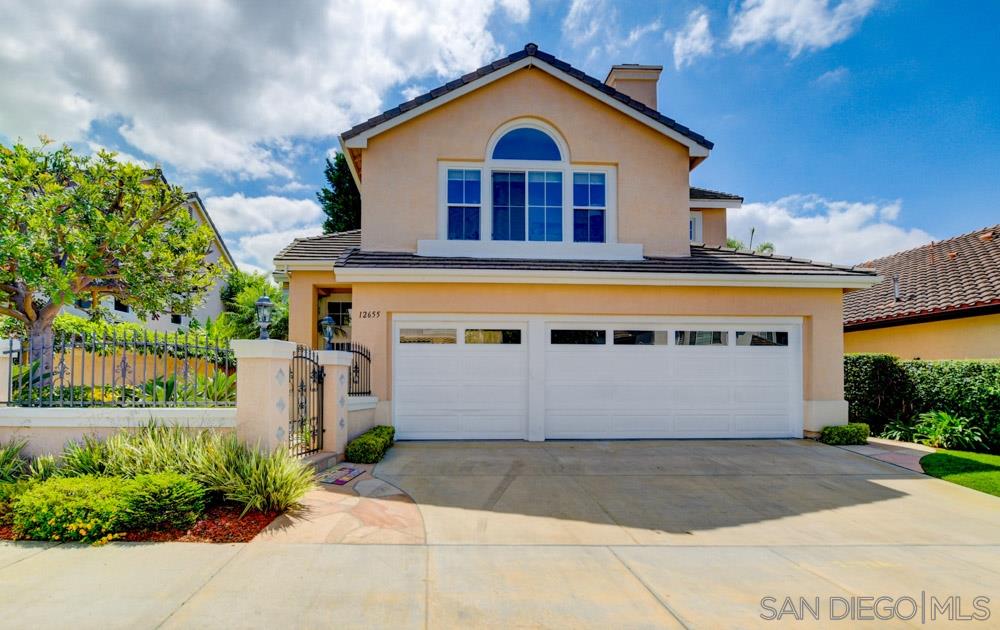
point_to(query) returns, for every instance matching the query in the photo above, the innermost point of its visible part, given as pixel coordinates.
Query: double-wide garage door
(535, 378)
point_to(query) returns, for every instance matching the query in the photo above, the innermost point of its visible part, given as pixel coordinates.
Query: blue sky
(853, 127)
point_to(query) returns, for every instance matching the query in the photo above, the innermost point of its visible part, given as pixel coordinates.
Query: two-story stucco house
(534, 264)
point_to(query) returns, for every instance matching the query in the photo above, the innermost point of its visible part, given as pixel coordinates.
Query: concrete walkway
(904, 454)
(684, 534)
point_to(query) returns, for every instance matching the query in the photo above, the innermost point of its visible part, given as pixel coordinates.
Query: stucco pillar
(8, 347)
(336, 386)
(262, 391)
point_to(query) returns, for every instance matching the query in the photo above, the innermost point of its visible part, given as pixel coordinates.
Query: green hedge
(880, 388)
(370, 446)
(852, 433)
(97, 509)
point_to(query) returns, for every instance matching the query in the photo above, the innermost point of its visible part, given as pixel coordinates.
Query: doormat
(340, 475)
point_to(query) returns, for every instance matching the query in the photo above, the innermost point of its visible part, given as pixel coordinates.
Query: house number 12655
(371, 314)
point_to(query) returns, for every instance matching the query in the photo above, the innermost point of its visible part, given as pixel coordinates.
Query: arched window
(526, 143)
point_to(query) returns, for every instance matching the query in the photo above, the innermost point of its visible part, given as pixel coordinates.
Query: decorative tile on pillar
(343, 378)
(281, 376)
(342, 423)
(341, 402)
(280, 405)
(280, 433)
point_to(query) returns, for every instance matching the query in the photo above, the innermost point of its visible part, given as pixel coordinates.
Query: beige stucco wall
(713, 226)
(821, 309)
(400, 183)
(965, 338)
(303, 304)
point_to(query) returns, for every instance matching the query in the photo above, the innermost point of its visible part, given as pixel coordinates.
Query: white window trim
(566, 249)
(697, 220)
(442, 222)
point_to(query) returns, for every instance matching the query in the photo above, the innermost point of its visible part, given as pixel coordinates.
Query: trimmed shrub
(877, 388)
(9, 492)
(889, 393)
(97, 509)
(87, 509)
(852, 433)
(370, 446)
(164, 499)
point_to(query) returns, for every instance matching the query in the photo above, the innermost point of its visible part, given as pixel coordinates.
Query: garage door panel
(760, 393)
(760, 424)
(702, 424)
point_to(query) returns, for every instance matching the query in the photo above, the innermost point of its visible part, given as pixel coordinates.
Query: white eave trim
(697, 204)
(303, 265)
(360, 141)
(506, 276)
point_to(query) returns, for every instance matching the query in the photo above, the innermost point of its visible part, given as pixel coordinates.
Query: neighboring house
(528, 268)
(170, 322)
(937, 301)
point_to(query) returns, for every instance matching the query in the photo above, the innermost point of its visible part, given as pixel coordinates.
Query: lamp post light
(264, 307)
(328, 331)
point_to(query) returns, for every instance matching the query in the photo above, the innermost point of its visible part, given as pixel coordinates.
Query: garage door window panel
(761, 338)
(701, 337)
(581, 337)
(493, 336)
(428, 335)
(640, 338)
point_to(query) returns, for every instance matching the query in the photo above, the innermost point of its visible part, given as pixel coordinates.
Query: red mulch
(220, 524)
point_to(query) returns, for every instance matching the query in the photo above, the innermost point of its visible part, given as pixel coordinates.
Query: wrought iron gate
(305, 422)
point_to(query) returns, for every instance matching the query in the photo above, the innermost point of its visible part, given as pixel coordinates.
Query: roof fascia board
(203, 211)
(323, 264)
(350, 162)
(386, 274)
(714, 203)
(360, 141)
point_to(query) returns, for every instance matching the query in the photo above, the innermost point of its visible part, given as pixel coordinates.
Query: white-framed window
(694, 227)
(464, 198)
(527, 192)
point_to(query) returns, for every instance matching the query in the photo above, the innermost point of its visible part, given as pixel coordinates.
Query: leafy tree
(340, 199)
(85, 227)
(239, 298)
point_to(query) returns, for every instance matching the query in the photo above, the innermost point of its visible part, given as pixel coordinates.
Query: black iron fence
(361, 368)
(305, 415)
(120, 370)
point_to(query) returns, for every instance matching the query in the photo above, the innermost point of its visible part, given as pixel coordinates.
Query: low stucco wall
(360, 415)
(48, 430)
(965, 338)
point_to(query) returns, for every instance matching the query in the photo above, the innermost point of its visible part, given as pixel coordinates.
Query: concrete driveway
(560, 535)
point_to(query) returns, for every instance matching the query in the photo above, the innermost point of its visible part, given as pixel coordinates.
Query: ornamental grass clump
(12, 465)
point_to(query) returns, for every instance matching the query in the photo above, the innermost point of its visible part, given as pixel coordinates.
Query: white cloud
(584, 20)
(291, 187)
(239, 214)
(833, 77)
(227, 85)
(810, 226)
(694, 40)
(797, 24)
(639, 32)
(258, 250)
(411, 92)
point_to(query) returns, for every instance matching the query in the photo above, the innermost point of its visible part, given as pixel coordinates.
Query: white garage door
(460, 380)
(684, 379)
(467, 378)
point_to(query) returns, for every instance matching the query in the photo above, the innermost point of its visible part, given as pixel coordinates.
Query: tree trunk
(41, 339)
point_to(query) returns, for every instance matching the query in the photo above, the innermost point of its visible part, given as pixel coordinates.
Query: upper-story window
(464, 204)
(527, 190)
(526, 143)
(694, 227)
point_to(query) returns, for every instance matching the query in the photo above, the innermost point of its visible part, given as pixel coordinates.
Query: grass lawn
(978, 471)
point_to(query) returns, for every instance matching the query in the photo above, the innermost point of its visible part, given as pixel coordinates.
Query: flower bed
(154, 484)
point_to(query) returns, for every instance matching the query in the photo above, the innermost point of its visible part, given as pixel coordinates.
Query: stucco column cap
(262, 348)
(334, 357)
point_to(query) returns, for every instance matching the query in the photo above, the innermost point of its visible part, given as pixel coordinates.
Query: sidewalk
(904, 454)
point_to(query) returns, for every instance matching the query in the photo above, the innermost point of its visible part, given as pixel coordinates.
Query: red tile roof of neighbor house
(956, 277)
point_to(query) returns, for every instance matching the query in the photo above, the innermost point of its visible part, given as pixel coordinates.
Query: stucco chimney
(636, 81)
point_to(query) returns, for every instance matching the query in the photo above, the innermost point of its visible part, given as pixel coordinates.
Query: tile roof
(530, 50)
(945, 277)
(327, 247)
(703, 259)
(705, 193)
